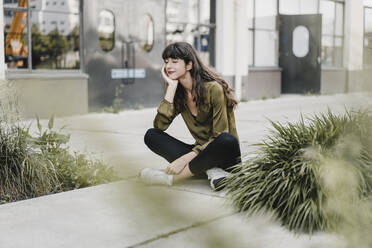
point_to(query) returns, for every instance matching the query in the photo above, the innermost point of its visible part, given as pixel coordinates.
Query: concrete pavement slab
(239, 231)
(114, 215)
(128, 214)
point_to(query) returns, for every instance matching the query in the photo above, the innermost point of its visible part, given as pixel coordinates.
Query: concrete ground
(129, 214)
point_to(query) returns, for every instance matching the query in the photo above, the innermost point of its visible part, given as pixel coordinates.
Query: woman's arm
(170, 92)
(166, 112)
(171, 86)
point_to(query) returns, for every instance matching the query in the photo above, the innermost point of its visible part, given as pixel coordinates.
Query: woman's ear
(189, 66)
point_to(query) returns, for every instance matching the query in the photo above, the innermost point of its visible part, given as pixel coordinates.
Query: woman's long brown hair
(200, 73)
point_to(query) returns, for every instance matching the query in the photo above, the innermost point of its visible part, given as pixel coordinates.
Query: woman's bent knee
(228, 139)
(150, 134)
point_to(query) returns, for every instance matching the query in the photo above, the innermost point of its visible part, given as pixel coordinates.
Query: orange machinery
(13, 43)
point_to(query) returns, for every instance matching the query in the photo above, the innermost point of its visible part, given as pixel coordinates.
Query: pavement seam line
(132, 179)
(168, 234)
(196, 192)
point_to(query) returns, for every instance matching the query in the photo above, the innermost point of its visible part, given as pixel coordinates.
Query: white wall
(353, 49)
(232, 41)
(241, 48)
(225, 37)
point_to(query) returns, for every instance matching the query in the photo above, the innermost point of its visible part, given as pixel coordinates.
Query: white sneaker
(151, 176)
(216, 175)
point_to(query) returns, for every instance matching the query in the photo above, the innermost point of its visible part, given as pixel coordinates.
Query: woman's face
(175, 68)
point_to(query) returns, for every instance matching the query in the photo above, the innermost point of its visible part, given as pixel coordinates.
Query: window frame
(334, 36)
(29, 69)
(253, 29)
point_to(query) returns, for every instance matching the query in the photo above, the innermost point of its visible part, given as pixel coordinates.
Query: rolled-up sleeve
(220, 120)
(165, 115)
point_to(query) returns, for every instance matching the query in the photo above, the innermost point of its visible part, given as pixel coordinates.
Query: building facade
(70, 56)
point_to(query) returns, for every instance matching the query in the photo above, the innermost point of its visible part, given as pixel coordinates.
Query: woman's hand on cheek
(168, 81)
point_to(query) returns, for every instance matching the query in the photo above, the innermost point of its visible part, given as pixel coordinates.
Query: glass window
(338, 51)
(203, 43)
(181, 32)
(300, 43)
(205, 11)
(55, 46)
(15, 3)
(16, 39)
(367, 52)
(265, 14)
(265, 48)
(262, 33)
(332, 32)
(309, 6)
(368, 3)
(106, 30)
(250, 48)
(339, 25)
(368, 20)
(289, 7)
(55, 36)
(327, 9)
(182, 11)
(146, 33)
(192, 21)
(327, 50)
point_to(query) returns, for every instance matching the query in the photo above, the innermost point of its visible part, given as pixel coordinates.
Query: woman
(206, 104)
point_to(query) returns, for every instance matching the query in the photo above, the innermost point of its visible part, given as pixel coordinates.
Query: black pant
(223, 151)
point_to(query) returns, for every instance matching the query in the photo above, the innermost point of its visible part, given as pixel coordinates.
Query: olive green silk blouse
(213, 117)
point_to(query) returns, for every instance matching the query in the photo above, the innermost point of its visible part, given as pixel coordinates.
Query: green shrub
(302, 169)
(22, 174)
(32, 166)
(74, 170)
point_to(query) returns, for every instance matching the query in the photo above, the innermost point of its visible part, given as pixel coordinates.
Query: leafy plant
(74, 170)
(33, 166)
(296, 173)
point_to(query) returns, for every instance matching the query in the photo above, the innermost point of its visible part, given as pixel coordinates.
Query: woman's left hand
(176, 166)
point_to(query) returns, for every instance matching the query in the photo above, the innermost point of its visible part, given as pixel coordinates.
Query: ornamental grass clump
(36, 164)
(310, 174)
(22, 175)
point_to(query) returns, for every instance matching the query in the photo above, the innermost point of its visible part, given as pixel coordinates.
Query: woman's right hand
(168, 81)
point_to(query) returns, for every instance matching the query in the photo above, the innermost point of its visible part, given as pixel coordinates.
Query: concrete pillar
(2, 57)
(232, 41)
(354, 21)
(353, 49)
(225, 37)
(241, 45)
